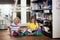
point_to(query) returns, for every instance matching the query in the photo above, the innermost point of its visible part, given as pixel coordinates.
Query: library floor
(4, 35)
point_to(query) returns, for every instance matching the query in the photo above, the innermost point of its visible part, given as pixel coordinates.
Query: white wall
(56, 19)
(5, 9)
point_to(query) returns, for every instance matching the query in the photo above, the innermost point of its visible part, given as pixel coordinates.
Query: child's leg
(39, 28)
(34, 32)
(39, 32)
(29, 32)
(11, 33)
(20, 34)
(15, 33)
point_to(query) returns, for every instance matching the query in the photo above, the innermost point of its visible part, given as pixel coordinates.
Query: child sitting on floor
(15, 26)
(33, 27)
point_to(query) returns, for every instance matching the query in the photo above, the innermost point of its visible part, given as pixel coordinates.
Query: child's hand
(39, 24)
(34, 29)
(16, 31)
(29, 30)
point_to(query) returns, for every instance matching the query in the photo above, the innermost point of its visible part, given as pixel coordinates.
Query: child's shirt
(13, 26)
(32, 25)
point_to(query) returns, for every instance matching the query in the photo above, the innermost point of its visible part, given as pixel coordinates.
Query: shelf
(46, 25)
(47, 34)
(40, 9)
(35, 1)
(45, 19)
(48, 20)
(40, 21)
(47, 13)
(48, 30)
(47, 8)
(37, 9)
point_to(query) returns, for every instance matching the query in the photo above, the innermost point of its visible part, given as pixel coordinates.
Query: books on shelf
(33, 0)
(42, 6)
(35, 6)
(46, 11)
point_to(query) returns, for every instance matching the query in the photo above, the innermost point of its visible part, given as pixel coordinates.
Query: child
(15, 26)
(33, 26)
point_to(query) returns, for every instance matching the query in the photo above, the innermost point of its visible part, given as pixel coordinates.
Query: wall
(5, 9)
(56, 18)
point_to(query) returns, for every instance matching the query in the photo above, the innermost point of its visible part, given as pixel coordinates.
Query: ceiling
(7, 1)
(12, 2)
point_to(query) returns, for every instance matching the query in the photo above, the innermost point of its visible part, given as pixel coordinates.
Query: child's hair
(33, 17)
(17, 19)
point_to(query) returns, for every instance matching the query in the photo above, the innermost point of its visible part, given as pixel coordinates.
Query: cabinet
(43, 11)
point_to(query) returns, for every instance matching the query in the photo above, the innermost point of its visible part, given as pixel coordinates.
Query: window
(28, 16)
(19, 14)
(19, 2)
(28, 2)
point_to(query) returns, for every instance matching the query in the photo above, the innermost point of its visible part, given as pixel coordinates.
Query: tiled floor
(4, 35)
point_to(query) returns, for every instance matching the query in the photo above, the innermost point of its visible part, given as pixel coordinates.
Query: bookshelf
(43, 11)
